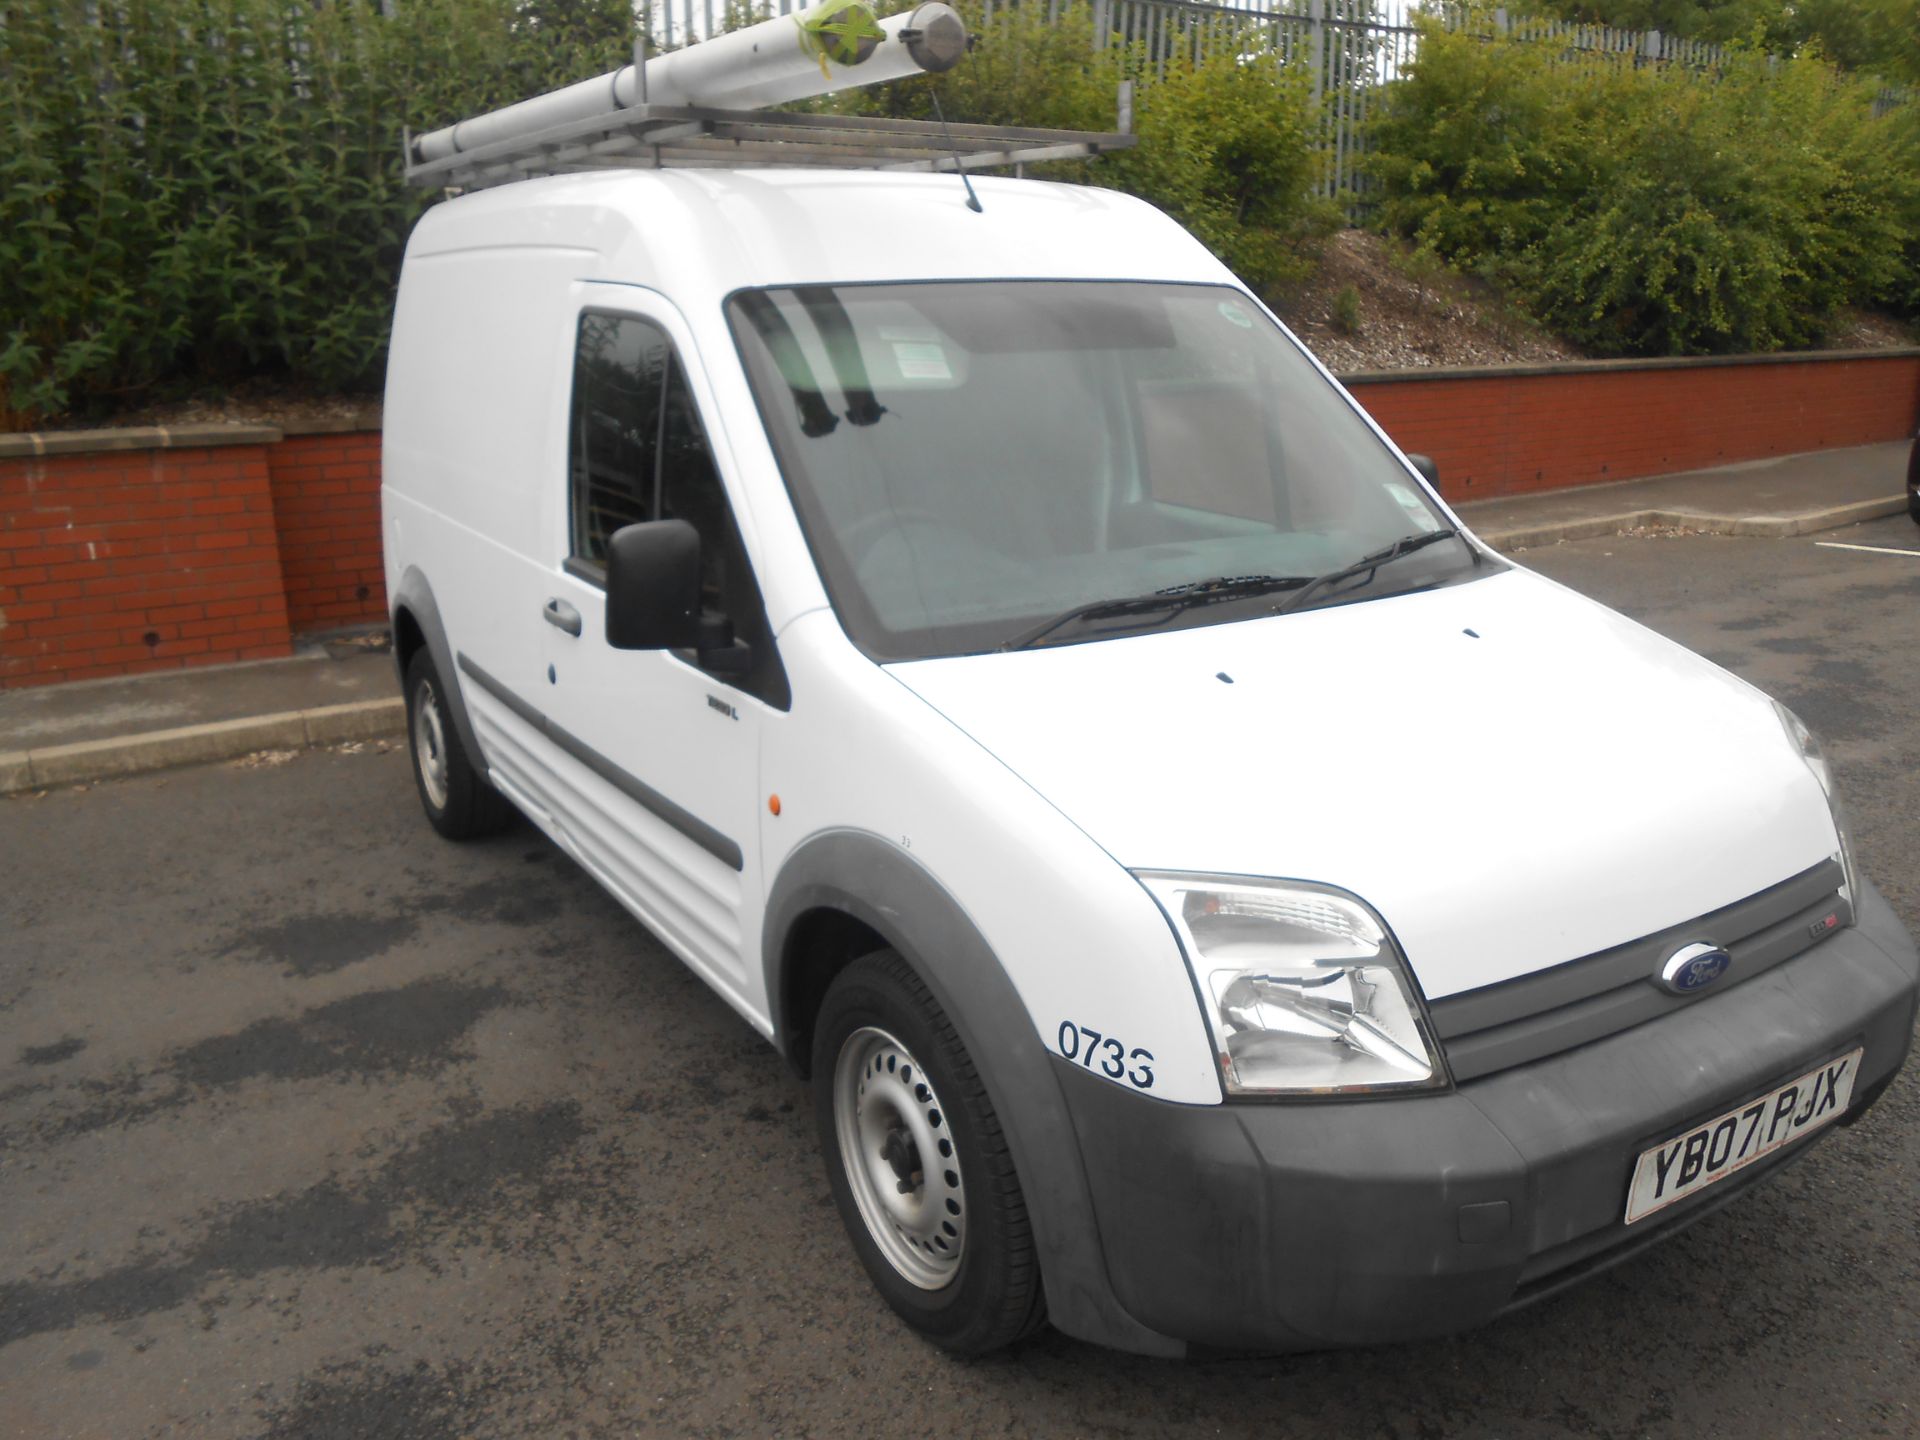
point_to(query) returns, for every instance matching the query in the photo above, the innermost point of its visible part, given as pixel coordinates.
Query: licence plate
(1706, 1154)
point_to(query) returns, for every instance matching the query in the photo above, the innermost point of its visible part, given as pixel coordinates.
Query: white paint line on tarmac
(1870, 549)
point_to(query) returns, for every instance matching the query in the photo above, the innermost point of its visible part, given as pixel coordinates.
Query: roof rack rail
(680, 136)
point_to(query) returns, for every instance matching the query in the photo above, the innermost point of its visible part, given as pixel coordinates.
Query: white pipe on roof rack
(771, 63)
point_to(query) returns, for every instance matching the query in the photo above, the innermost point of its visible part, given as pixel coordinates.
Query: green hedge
(1642, 211)
(193, 191)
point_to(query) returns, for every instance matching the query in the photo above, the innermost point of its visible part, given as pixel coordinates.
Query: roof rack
(704, 105)
(659, 136)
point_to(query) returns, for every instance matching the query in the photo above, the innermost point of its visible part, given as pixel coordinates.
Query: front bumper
(1308, 1224)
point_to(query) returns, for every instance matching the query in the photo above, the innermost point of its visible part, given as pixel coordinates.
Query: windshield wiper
(1404, 546)
(1174, 599)
(1178, 598)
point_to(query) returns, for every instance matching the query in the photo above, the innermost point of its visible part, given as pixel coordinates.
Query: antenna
(973, 200)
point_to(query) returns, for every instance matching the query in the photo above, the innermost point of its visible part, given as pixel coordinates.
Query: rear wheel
(457, 798)
(919, 1166)
(1913, 480)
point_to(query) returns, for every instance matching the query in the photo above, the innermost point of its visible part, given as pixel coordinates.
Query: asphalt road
(313, 1125)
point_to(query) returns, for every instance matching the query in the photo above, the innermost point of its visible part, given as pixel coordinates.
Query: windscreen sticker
(1237, 314)
(1413, 505)
(921, 360)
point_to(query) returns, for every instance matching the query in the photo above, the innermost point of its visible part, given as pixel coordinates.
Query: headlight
(1809, 750)
(1303, 988)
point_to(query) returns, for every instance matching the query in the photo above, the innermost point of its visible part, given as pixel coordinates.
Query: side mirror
(653, 586)
(1429, 471)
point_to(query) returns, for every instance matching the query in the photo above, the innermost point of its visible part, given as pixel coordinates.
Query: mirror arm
(727, 659)
(718, 650)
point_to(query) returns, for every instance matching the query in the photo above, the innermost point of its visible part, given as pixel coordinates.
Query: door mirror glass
(653, 586)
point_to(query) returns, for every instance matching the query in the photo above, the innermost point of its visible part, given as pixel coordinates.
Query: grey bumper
(1311, 1224)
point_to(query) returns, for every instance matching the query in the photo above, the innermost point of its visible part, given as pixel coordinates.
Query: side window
(619, 369)
(690, 490)
(638, 451)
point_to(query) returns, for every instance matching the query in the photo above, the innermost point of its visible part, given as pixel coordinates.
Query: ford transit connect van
(1216, 901)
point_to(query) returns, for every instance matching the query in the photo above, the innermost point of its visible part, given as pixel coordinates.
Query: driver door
(662, 795)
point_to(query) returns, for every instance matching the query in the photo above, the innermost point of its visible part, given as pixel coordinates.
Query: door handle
(559, 613)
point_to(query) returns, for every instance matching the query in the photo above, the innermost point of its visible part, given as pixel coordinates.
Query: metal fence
(1349, 49)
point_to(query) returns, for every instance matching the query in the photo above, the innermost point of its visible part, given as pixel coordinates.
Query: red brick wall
(326, 500)
(1494, 433)
(115, 559)
(118, 561)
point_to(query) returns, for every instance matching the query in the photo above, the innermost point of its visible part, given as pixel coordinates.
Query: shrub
(1736, 215)
(1652, 211)
(1346, 310)
(1227, 148)
(1902, 156)
(1482, 147)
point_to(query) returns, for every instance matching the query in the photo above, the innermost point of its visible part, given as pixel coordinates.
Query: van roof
(693, 233)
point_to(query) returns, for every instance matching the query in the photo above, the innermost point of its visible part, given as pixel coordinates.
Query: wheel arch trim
(415, 596)
(872, 880)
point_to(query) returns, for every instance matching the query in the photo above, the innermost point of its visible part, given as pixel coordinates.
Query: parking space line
(1870, 549)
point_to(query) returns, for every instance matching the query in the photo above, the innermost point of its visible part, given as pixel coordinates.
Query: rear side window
(637, 451)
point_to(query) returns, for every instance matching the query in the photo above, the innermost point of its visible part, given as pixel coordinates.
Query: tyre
(1913, 481)
(457, 798)
(919, 1166)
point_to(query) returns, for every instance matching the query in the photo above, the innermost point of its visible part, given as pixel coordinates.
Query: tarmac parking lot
(313, 1125)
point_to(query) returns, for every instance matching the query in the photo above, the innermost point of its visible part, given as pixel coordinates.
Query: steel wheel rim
(888, 1118)
(429, 746)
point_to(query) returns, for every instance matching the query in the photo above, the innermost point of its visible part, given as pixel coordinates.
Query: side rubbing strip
(505, 696)
(689, 825)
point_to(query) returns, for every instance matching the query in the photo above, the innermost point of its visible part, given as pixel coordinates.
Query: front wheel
(919, 1166)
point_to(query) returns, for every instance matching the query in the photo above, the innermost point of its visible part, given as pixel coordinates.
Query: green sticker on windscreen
(1237, 314)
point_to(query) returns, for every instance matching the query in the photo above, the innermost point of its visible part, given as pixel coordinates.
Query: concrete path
(69, 734)
(1787, 495)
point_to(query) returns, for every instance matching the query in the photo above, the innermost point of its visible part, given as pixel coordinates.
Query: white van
(1216, 900)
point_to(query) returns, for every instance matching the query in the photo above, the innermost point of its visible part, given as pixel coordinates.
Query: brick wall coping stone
(366, 417)
(26, 445)
(18, 445)
(1604, 367)
(361, 417)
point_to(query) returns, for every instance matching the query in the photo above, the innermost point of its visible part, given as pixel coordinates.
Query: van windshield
(974, 461)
